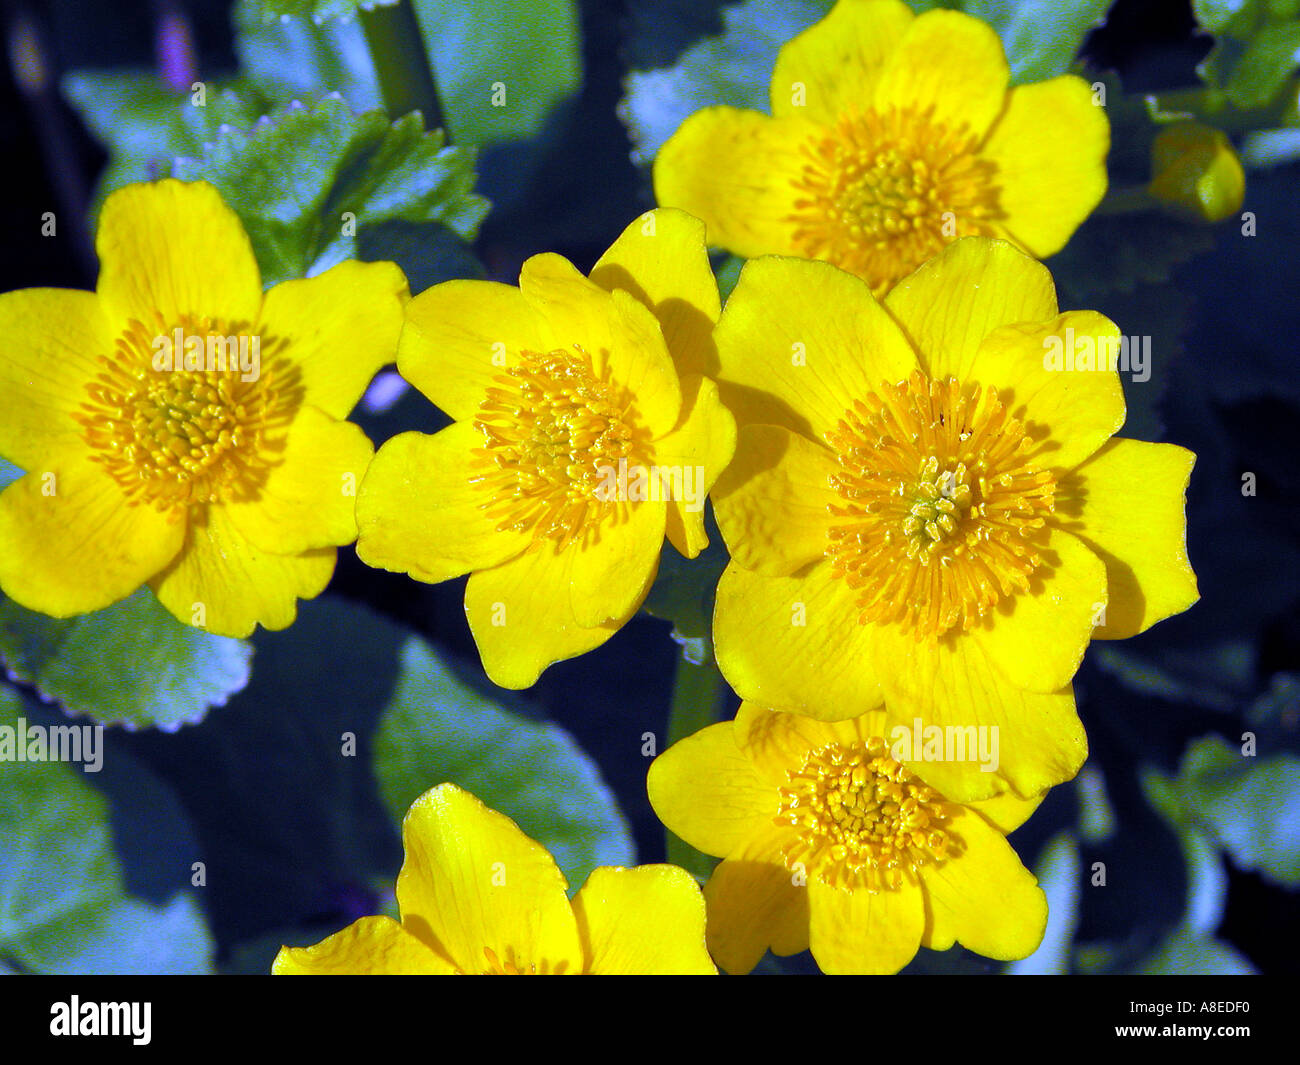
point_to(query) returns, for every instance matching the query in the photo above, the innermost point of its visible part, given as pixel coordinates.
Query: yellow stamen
(943, 514)
(885, 191)
(862, 820)
(173, 438)
(553, 433)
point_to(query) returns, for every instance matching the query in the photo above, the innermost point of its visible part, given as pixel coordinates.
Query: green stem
(699, 696)
(397, 48)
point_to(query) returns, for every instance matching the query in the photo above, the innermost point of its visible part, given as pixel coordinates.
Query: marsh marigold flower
(477, 896)
(1195, 171)
(584, 432)
(891, 135)
(928, 505)
(178, 427)
(832, 844)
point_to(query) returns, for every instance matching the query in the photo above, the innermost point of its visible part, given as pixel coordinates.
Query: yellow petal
(623, 338)
(984, 897)
(1128, 504)
(662, 260)
(647, 921)
(771, 504)
(1007, 811)
(952, 683)
(795, 643)
(171, 248)
(950, 65)
(372, 946)
(460, 336)
(799, 341)
(706, 790)
(221, 582)
(855, 932)
(611, 573)
(309, 497)
(70, 543)
(1037, 637)
(419, 511)
(838, 61)
(702, 445)
(522, 619)
(338, 329)
(53, 338)
(755, 905)
(954, 301)
(1058, 378)
(1049, 146)
(778, 743)
(736, 171)
(472, 882)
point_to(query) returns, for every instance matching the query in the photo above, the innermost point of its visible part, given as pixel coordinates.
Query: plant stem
(397, 49)
(699, 695)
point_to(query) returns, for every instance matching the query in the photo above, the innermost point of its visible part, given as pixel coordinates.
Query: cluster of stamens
(884, 191)
(862, 820)
(553, 431)
(172, 438)
(942, 513)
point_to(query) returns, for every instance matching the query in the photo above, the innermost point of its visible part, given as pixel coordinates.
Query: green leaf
(1268, 62)
(131, 664)
(1250, 806)
(295, 58)
(1041, 37)
(305, 177)
(501, 66)
(436, 730)
(63, 903)
(734, 68)
(144, 125)
(1186, 952)
(315, 10)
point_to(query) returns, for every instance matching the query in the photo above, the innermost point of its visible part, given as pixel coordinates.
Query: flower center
(189, 414)
(885, 191)
(862, 820)
(942, 514)
(553, 431)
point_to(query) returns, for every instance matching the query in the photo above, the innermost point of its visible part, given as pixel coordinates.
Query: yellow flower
(891, 135)
(927, 506)
(227, 485)
(833, 844)
(477, 896)
(583, 433)
(1195, 170)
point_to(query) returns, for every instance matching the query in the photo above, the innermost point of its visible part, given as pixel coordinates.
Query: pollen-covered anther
(863, 821)
(942, 513)
(882, 192)
(553, 431)
(173, 436)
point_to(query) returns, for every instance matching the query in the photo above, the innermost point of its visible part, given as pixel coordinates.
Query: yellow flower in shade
(583, 433)
(831, 843)
(477, 896)
(178, 427)
(1196, 172)
(928, 506)
(890, 135)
